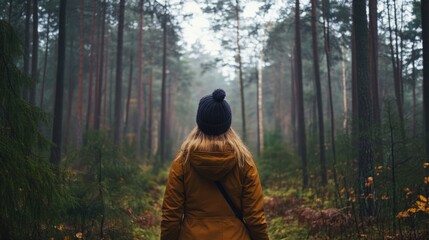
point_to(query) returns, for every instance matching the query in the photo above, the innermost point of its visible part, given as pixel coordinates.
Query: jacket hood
(213, 165)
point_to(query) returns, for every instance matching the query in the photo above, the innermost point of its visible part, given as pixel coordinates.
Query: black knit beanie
(214, 113)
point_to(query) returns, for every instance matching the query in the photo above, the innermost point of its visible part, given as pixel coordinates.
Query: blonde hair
(228, 141)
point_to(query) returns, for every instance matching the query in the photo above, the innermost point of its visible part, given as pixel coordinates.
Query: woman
(194, 206)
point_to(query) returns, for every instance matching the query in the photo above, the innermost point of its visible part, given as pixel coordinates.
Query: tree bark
(118, 88)
(71, 80)
(413, 57)
(35, 53)
(149, 130)
(302, 146)
(293, 98)
(170, 96)
(99, 81)
(140, 90)
(318, 93)
(326, 33)
(394, 56)
(91, 68)
(150, 114)
(344, 88)
(80, 83)
(45, 63)
(260, 113)
(373, 60)
(163, 90)
(107, 76)
(398, 59)
(59, 89)
(27, 46)
(111, 95)
(365, 156)
(355, 121)
(127, 107)
(240, 68)
(281, 106)
(425, 38)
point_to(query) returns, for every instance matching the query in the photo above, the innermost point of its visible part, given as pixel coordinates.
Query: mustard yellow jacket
(194, 208)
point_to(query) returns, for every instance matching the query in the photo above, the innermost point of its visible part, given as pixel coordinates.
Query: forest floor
(295, 214)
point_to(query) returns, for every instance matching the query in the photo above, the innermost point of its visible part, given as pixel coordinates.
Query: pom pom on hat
(214, 113)
(219, 95)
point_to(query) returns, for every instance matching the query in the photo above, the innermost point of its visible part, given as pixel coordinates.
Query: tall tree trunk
(282, 108)
(140, 90)
(398, 58)
(111, 97)
(293, 97)
(130, 83)
(260, 113)
(344, 90)
(97, 63)
(318, 93)
(240, 68)
(71, 80)
(45, 61)
(35, 54)
(118, 88)
(373, 67)
(99, 82)
(354, 91)
(366, 186)
(163, 89)
(91, 67)
(27, 45)
(313, 116)
(373, 60)
(326, 33)
(396, 67)
(59, 89)
(170, 96)
(108, 76)
(149, 130)
(425, 38)
(413, 57)
(80, 83)
(150, 113)
(302, 145)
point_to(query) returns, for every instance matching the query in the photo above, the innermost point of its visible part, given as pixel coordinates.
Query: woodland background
(330, 97)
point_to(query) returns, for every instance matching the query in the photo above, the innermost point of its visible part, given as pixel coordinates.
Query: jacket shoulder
(249, 164)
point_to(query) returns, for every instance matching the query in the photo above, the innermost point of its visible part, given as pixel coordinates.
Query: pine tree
(28, 184)
(118, 95)
(58, 107)
(318, 93)
(302, 146)
(365, 156)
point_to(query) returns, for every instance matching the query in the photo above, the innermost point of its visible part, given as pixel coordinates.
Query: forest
(330, 96)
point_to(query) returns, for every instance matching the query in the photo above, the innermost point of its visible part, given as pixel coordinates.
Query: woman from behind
(213, 190)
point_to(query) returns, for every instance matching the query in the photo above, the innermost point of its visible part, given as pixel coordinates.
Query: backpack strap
(238, 213)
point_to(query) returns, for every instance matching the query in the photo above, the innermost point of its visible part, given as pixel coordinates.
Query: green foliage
(278, 229)
(151, 233)
(31, 194)
(319, 212)
(278, 160)
(296, 213)
(112, 192)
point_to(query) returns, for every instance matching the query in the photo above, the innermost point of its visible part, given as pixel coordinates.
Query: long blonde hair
(228, 141)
